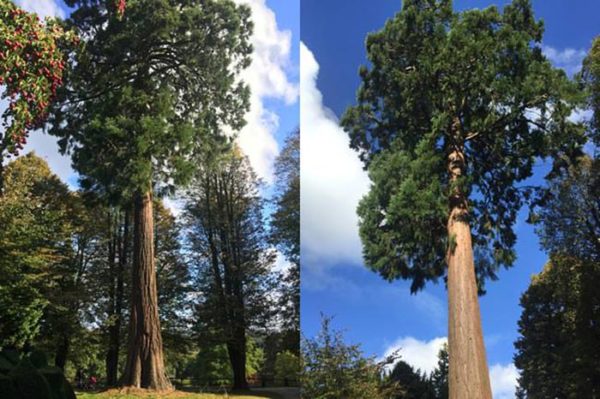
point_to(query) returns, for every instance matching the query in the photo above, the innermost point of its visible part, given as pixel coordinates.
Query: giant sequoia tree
(146, 87)
(452, 114)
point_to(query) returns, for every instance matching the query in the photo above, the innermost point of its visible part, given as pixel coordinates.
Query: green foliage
(590, 77)
(30, 377)
(147, 89)
(285, 226)
(333, 369)
(414, 384)
(568, 214)
(173, 280)
(441, 81)
(287, 367)
(212, 367)
(439, 376)
(230, 252)
(558, 351)
(31, 69)
(34, 241)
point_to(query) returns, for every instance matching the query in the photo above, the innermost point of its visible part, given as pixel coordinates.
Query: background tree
(558, 350)
(590, 77)
(227, 236)
(415, 385)
(287, 367)
(212, 367)
(333, 369)
(285, 230)
(439, 376)
(451, 116)
(147, 86)
(174, 289)
(71, 292)
(36, 229)
(568, 214)
(561, 306)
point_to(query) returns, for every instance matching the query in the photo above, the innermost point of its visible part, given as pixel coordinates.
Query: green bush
(30, 377)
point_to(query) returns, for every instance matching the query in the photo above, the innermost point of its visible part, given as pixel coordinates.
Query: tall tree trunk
(112, 358)
(469, 376)
(145, 363)
(237, 357)
(111, 355)
(62, 351)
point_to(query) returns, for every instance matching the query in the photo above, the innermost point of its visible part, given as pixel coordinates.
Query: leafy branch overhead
(31, 70)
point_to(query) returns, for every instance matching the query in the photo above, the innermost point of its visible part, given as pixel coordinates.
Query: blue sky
(377, 314)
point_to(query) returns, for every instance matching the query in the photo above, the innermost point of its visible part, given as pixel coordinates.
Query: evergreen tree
(558, 352)
(146, 88)
(174, 285)
(285, 232)
(414, 384)
(224, 214)
(451, 116)
(439, 376)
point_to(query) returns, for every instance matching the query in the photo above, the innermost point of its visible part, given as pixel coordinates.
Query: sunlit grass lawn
(114, 394)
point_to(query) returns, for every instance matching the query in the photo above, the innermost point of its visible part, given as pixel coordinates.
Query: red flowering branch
(31, 69)
(121, 4)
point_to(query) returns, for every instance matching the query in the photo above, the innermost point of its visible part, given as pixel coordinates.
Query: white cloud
(423, 355)
(568, 59)
(581, 115)
(332, 179)
(44, 8)
(267, 77)
(281, 263)
(504, 380)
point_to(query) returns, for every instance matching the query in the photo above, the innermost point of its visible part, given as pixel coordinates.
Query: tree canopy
(147, 88)
(474, 81)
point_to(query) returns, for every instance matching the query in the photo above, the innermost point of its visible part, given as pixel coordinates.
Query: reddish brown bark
(145, 362)
(469, 375)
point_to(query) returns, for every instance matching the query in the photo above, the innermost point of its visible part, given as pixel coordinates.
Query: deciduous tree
(31, 70)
